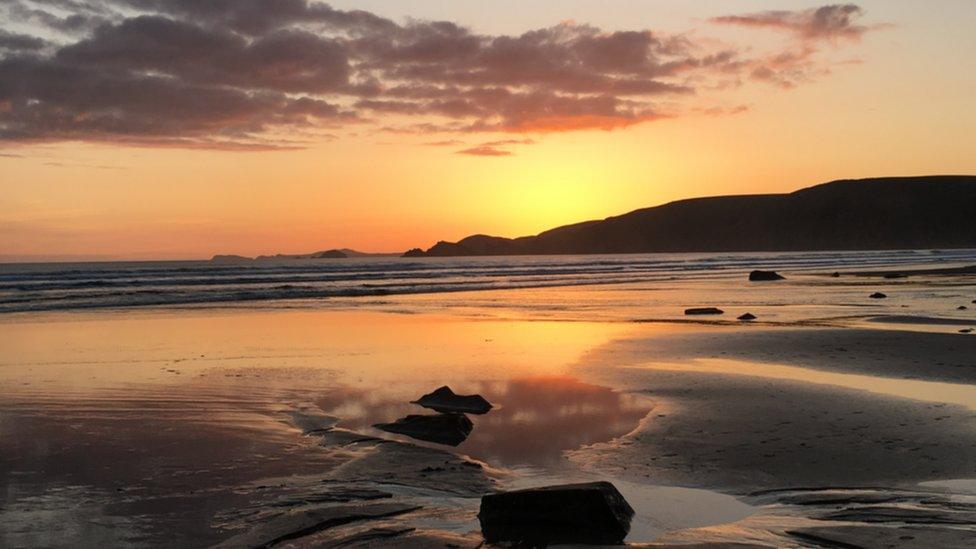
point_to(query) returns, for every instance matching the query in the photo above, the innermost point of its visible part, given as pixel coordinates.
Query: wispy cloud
(496, 148)
(837, 21)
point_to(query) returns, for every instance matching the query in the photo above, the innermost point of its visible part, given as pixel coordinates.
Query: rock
(895, 275)
(592, 513)
(835, 274)
(450, 429)
(747, 316)
(761, 276)
(961, 308)
(414, 252)
(704, 311)
(446, 401)
(877, 295)
(966, 331)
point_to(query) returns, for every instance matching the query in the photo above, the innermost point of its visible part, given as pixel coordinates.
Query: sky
(179, 129)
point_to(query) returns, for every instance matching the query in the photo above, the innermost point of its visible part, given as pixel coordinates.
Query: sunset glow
(380, 130)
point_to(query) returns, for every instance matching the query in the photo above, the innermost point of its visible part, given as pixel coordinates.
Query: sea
(26, 287)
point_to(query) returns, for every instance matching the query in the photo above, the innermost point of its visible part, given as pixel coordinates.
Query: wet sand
(192, 428)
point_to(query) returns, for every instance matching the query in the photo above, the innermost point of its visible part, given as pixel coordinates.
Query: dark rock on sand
(761, 276)
(835, 274)
(594, 513)
(704, 311)
(747, 316)
(446, 401)
(895, 275)
(966, 331)
(877, 295)
(961, 308)
(450, 429)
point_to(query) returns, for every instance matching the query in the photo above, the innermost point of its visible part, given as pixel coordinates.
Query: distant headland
(865, 214)
(326, 254)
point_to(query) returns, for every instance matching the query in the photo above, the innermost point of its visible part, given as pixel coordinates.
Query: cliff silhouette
(863, 214)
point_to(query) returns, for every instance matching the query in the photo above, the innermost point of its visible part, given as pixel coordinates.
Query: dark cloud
(12, 41)
(254, 74)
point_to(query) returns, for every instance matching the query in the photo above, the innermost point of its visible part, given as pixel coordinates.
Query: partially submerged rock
(704, 311)
(450, 429)
(747, 316)
(446, 401)
(877, 295)
(763, 276)
(962, 308)
(593, 513)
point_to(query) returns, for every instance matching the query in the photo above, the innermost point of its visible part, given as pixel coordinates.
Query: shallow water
(152, 423)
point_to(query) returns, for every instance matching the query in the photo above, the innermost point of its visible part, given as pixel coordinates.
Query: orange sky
(895, 100)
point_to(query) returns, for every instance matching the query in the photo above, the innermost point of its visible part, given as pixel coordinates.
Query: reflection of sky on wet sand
(534, 420)
(149, 422)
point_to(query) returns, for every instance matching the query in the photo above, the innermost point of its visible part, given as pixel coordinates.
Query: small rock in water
(759, 276)
(450, 429)
(895, 275)
(704, 311)
(747, 316)
(446, 401)
(962, 308)
(966, 331)
(877, 295)
(835, 275)
(590, 513)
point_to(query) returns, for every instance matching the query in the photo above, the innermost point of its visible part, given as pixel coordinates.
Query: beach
(831, 419)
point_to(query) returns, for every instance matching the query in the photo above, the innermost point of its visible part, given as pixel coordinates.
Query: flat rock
(876, 536)
(763, 276)
(593, 513)
(450, 429)
(877, 295)
(747, 316)
(909, 515)
(704, 311)
(299, 524)
(445, 400)
(391, 462)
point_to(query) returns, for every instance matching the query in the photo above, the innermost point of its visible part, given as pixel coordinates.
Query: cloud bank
(268, 74)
